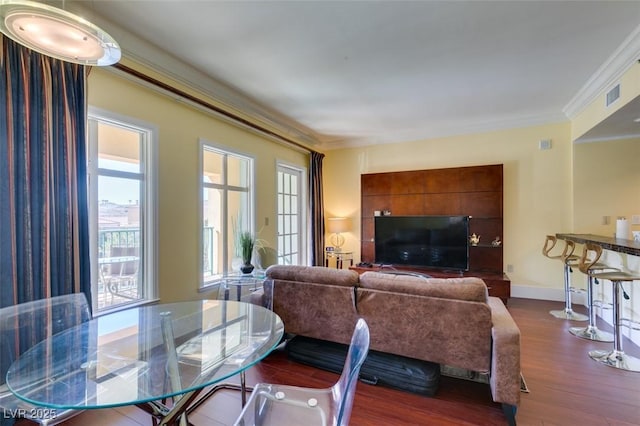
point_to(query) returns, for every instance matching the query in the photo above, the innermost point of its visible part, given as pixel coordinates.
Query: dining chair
(21, 327)
(272, 404)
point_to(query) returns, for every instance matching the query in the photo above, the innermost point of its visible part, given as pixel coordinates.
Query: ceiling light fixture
(57, 33)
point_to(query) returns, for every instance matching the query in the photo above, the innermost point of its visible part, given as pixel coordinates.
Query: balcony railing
(118, 286)
(119, 272)
(117, 237)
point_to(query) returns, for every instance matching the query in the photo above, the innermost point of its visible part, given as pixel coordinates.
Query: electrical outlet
(509, 268)
(606, 220)
(635, 219)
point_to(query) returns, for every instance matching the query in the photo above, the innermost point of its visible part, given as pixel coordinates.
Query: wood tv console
(498, 283)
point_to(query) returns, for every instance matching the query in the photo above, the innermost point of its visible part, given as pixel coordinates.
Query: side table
(247, 288)
(340, 257)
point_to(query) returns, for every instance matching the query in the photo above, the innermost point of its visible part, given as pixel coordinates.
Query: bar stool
(589, 265)
(568, 259)
(617, 358)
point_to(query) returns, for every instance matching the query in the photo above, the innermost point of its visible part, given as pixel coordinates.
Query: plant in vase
(247, 242)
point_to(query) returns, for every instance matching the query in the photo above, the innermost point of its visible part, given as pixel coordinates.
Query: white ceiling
(345, 73)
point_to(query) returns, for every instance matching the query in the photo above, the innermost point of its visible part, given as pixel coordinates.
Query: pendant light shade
(57, 33)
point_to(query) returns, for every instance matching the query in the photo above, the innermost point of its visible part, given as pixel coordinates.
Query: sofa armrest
(505, 358)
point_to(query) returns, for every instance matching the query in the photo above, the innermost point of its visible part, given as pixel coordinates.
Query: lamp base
(337, 240)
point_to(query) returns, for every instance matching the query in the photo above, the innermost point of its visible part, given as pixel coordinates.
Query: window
(227, 209)
(291, 215)
(122, 211)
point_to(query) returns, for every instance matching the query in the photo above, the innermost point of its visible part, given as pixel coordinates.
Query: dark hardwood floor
(566, 387)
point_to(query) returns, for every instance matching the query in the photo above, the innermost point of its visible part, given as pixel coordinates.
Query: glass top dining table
(143, 355)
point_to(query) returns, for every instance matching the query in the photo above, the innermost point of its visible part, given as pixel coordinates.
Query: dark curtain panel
(44, 230)
(316, 207)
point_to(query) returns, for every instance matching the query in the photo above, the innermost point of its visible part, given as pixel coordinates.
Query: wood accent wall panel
(407, 182)
(481, 204)
(473, 191)
(441, 204)
(407, 204)
(475, 179)
(376, 184)
(442, 181)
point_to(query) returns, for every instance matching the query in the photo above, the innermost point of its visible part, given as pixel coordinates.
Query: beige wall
(180, 128)
(607, 183)
(537, 189)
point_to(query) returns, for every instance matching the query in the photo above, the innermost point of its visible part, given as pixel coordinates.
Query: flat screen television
(425, 241)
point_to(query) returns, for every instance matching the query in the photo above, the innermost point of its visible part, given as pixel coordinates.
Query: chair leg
(591, 332)
(567, 312)
(616, 358)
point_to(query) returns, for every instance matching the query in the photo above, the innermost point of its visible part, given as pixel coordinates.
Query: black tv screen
(427, 241)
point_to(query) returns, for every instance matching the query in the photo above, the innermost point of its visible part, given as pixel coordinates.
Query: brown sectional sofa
(448, 321)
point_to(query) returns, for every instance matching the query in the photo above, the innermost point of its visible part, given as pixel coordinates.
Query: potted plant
(247, 242)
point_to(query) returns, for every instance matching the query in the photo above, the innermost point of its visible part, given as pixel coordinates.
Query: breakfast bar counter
(620, 245)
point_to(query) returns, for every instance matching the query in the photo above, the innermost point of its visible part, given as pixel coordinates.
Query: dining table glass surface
(145, 354)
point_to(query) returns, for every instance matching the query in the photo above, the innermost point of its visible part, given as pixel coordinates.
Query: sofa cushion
(313, 274)
(465, 288)
(443, 330)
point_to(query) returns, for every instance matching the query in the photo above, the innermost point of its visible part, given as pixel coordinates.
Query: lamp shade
(57, 33)
(336, 225)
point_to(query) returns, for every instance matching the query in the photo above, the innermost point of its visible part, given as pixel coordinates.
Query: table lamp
(337, 225)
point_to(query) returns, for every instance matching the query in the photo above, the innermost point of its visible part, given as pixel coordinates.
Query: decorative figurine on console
(474, 239)
(496, 242)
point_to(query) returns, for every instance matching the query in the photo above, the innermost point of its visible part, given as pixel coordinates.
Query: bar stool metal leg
(591, 332)
(616, 358)
(567, 312)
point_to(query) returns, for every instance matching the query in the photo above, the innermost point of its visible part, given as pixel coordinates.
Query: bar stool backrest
(550, 243)
(569, 248)
(590, 255)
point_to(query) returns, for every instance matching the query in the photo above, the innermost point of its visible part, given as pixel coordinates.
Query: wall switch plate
(635, 219)
(509, 268)
(606, 220)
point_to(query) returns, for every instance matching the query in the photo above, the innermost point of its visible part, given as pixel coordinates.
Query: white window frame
(149, 211)
(303, 213)
(225, 150)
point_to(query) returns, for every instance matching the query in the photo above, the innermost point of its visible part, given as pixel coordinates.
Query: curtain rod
(208, 105)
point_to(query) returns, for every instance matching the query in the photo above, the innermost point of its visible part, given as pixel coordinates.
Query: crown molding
(444, 131)
(220, 93)
(607, 138)
(609, 73)
(147, 55)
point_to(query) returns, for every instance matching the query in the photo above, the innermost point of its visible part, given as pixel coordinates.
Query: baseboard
(544, 293)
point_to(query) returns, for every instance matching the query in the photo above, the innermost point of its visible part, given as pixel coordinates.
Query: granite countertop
(608, 243)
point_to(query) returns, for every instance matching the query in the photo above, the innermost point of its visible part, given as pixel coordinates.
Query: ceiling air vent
(613, 94)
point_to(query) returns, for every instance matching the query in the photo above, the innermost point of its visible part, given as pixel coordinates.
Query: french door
(291, 215)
